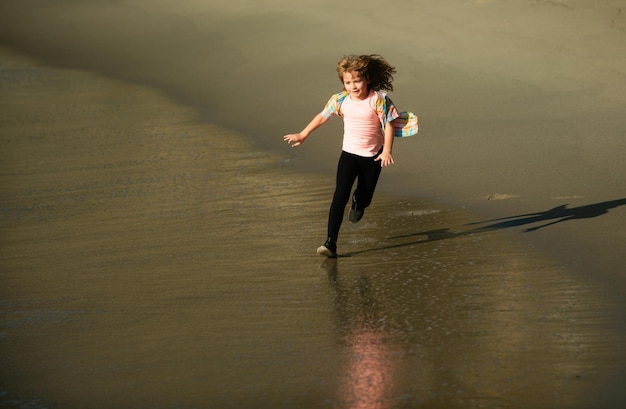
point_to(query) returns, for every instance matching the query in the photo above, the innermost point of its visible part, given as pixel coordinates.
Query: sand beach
(157, 237)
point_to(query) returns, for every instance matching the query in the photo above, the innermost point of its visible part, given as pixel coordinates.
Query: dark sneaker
(328, 249)
(356, 214)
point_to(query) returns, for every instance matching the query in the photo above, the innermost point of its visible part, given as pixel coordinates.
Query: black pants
(350, 168)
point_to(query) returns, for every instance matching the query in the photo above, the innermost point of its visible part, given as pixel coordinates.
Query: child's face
(355, 85)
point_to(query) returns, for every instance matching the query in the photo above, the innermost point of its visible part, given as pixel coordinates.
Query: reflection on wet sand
(369, 375)
(367, 380)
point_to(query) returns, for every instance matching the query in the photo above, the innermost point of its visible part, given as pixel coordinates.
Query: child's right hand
(294, 139)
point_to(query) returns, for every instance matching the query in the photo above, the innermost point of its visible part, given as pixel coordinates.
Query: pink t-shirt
(362, 133)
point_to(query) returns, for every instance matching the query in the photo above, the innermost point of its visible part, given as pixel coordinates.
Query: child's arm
(385, 157)
(296, 139)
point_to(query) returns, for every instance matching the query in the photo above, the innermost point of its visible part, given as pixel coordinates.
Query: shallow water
(149, 261)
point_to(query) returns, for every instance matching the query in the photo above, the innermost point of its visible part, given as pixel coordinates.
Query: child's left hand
(385, 159)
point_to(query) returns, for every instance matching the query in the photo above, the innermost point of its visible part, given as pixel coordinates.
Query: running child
(371, 121)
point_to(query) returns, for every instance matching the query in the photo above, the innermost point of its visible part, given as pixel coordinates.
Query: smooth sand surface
(158, 239)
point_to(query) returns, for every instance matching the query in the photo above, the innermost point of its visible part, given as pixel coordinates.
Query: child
(370, 123)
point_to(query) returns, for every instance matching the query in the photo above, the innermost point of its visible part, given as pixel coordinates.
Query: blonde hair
(373, 68)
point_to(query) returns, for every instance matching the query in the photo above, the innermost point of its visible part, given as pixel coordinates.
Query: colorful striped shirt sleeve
(385, 109)
(405, 125)
(333, 106)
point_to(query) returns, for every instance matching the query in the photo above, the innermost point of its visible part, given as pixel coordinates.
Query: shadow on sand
(549, 217)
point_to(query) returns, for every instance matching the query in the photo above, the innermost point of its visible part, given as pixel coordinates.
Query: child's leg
(369, 172)
(347, 171)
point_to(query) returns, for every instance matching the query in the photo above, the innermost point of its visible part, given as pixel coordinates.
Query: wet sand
(153, 260)
(521, 100)
(158, 237)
